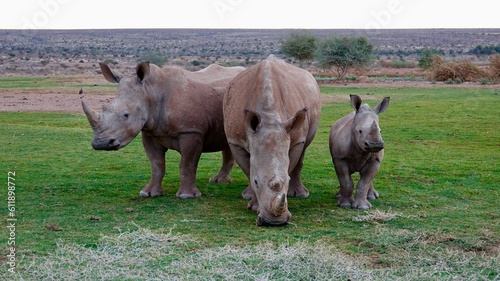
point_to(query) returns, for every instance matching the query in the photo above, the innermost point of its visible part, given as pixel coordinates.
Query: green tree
(426, 58)
(300, 45)
(343, 53)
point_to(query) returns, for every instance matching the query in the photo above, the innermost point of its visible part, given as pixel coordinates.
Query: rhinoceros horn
(280, 205)
(92, 115)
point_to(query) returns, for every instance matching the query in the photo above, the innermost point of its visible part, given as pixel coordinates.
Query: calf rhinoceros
(175, 109)
(271, 114)
(356, 145)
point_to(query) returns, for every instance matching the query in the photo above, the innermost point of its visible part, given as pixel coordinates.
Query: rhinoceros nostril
(113, 143)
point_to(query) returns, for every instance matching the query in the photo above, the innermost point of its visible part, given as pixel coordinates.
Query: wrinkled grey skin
(356, 145)
(271, 114)
(174, 109)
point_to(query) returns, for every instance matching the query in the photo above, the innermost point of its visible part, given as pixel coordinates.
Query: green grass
(439, 186)
(44, 82)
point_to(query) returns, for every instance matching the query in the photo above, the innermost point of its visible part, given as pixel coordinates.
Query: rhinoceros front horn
(280, 205)
(92, 115)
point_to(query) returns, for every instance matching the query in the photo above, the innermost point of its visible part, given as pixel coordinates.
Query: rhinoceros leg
(372, 193)
(296, 187)
(242, 157)
(156, 157)
(346, 184)
(365, 183)
(227, 166)
(191, 146)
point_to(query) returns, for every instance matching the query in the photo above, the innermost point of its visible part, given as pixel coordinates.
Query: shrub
(426, 59)
(463, 70)
(494, 68)
(155, 58)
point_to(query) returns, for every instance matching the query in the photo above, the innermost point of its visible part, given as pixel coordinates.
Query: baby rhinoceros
(356, 145)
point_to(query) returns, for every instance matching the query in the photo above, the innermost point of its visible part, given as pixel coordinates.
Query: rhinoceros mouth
(282, 221)
(374, 146)
(110, 144)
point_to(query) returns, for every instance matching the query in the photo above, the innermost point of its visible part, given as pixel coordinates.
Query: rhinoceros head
(269, 145)
(119, 122)
(365, 128)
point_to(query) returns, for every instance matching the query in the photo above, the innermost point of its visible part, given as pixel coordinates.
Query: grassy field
(79, 215)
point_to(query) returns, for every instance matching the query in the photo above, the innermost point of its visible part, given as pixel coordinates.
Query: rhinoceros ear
(297, 121)
(382, 106)
(142, 70)
(112, 76)
(356, 101)
(252, 120)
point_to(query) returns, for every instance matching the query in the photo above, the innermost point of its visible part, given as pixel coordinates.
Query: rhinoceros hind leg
(296, 188)
(372, 193)
(226, 168)
(221, 178)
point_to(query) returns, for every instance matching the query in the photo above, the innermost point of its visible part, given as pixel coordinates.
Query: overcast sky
(302, 14)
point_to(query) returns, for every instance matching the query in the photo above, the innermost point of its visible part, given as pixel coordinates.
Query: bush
(155, 58)
(494, 68)
(426, 59)
(463, 70)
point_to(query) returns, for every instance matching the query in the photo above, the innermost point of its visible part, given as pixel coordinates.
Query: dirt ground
(66, 98)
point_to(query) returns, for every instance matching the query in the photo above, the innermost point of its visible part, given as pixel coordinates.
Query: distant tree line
(485, 50)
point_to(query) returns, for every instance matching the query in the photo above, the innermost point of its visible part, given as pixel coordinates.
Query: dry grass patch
(142, 254)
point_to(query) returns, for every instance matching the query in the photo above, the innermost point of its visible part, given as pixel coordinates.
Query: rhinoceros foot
(298, 192)
(184, 193)
(345, 201)
(362, 204)
(253, 204)
(372, 194)
(248, 193)
(221, 178)
(151, 192)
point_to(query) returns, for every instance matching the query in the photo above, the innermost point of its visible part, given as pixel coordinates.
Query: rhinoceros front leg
(242, 157)
(156, 157)
(227, 166)
(367, 174)
(297, 188)
(346, 184)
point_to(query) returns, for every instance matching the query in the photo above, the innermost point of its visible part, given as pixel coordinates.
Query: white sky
(330, 14)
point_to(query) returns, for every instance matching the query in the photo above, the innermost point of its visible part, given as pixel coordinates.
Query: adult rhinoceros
(356, 145)
(271, 114)
(174, 109)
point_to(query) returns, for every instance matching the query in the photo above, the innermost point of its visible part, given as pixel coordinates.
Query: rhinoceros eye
(360, 131)
(125, 115)
(256, 184)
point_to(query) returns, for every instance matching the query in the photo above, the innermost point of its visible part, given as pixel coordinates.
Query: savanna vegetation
(79, 215)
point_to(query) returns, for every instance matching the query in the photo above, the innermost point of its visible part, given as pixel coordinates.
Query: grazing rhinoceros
(271, 114)
(356, 145)
(175, 109)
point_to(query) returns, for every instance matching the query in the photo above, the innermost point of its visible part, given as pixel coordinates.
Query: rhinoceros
(174, 109)
(271, 114)
(356, 145)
